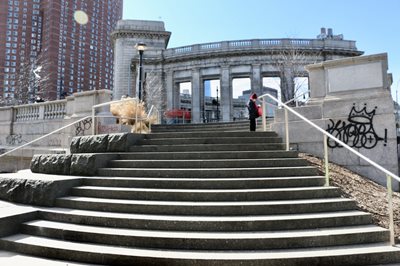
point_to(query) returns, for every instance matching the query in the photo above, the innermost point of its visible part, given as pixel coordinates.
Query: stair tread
(199, 179)
(210, 160)
(183, 218)
(210, 144)
(207, 190)
(206, 203)
(211, 169)
(207, 235)
(200, 255)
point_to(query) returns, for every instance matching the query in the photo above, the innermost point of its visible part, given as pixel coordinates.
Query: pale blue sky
(373, 24)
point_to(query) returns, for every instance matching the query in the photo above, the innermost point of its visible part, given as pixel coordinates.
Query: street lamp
(140, 47)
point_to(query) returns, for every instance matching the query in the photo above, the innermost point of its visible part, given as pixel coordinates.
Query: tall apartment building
(45, 52)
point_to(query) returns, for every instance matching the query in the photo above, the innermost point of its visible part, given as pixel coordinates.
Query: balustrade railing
(40, 111)
(263, 43)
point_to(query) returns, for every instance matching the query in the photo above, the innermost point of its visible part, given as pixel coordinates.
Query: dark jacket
(253, 110)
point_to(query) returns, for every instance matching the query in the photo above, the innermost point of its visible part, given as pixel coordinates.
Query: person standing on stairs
(253, 111)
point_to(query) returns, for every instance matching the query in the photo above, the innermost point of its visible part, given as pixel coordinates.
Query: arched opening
(212, 100)
(241, 90)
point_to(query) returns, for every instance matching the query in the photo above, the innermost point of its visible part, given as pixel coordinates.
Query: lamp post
(140, 47)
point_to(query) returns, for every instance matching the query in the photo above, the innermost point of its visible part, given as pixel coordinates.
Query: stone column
(169, 86)
(177, 95)
(226, 94)
(123, 55)
(196, 96)
(256, 81)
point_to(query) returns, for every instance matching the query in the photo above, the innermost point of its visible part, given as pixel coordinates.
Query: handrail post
(326, 160)
(390, 208)
(136, 116)
(287, 129)
(93, 121)
(264, 112)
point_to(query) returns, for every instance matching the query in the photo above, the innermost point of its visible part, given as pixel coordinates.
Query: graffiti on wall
(54, 142)
(358, 131)
(14, 139)
(83, 126)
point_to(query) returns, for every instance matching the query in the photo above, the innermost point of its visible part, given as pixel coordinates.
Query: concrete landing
(14, 259)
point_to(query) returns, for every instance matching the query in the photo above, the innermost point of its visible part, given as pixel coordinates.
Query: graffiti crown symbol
(362, 116)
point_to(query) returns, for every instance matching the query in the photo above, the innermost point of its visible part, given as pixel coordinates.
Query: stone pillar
(196, 96)
(256, 81)
(170, 89)
(226, 95)
(123, 54)
(176, 94)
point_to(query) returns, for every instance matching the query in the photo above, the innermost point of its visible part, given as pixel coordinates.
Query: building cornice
(140, 34)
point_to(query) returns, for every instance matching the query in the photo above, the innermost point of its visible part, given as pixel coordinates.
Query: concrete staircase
(206, 195)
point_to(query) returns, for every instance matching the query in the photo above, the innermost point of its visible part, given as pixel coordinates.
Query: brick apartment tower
(45, 52)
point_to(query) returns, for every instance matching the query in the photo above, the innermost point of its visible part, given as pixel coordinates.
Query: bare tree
(153, 90)
(31, 80)
(289, 63)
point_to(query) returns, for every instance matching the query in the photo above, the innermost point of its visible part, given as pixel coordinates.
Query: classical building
(45, 52)
(165, 69)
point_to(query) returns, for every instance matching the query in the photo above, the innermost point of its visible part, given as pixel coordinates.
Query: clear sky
(373, 24)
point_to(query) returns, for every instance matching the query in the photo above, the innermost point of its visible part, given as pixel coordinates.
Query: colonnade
(197, 76)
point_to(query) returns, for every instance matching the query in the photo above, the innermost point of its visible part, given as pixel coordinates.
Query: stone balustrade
(226, 46)
(41, 111)
(24, 123)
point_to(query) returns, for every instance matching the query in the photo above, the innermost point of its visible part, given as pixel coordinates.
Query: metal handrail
(327, 135)
(298, 96)
(137, 118)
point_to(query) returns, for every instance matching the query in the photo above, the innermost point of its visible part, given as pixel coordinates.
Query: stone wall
(24, 123)
(350, 98)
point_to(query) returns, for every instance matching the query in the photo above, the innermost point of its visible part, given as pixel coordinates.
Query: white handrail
(106, 104)
(332, 137)
(42, 137)
(298, 96)
(389, 175)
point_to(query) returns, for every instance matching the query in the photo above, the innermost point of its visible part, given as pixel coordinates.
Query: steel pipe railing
(390, 176)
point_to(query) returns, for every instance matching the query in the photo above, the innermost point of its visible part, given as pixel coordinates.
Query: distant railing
(316, 44)
(327, 136)
(41, 111)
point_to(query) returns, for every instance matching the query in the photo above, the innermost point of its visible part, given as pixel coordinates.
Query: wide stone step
(192, 208)
(207, 223)
(205, 194)
(214, 163)
(206, 155)
(202, 127)
(213, 140)
(210, 134)
(112, 255)
(209, 173)
(255, 240)
(207, 147)
(206, 183)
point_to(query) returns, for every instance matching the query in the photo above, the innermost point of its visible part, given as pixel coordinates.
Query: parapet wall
(24, 123)
(350, 98)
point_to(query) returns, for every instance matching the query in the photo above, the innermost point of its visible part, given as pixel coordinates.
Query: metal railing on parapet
(327, 136)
